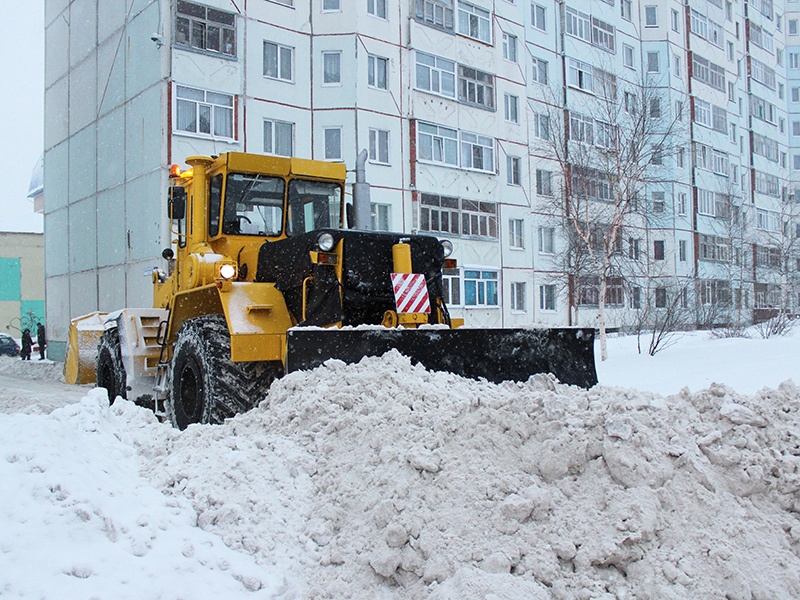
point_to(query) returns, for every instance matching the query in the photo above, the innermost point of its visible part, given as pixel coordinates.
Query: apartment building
(463, 107)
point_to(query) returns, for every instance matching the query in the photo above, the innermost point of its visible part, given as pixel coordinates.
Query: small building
(21, 281)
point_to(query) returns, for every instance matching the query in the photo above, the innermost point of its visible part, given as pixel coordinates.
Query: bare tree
(608, 149)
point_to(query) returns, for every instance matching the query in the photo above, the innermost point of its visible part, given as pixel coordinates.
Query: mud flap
(494, 354)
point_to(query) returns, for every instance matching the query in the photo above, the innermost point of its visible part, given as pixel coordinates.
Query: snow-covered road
(382, 480)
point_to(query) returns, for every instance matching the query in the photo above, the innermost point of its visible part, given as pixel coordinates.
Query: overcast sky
(21, 109)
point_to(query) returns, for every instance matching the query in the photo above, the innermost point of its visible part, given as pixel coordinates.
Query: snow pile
(425, 484)
(383, 480)
(77, 520)
(31, 369)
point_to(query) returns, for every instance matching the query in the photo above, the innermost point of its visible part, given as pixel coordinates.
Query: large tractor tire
(108, 365)
(207, 387)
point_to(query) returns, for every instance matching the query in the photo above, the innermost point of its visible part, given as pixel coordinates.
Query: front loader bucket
(494, 354)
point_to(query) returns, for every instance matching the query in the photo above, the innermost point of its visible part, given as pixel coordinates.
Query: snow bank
(383, 480)
(32, 369)
(425, 484)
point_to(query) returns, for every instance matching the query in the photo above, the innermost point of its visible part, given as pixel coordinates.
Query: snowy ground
(382, 480)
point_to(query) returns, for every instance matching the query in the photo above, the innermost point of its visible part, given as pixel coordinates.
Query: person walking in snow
(41, 339)
(27, 344)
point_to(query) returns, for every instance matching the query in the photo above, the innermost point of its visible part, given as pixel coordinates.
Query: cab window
(214, 204)
(253, 205)
(313, 205)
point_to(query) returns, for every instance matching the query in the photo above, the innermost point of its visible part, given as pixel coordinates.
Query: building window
(651, 16)
(658, 203)
(377, 8)
(633, 248)
(682, 250)
(546, 240)
(436, 75)
(627, 55)
(278, 61)
(518, 296)
(675, 21)
(512, 108)
(581, 128)
(661, 297)
(379, 146)
(378, 68)
(653, 63)
(544, 183)
(458, 217)
(474, 22)
(708, 72)
(541, 126)
(625, 9)
(333, 143)
(681, 203)
(202, 28)
(540, 71)
(437, 144)
(477, 152)
(516, 236)
(475, 87)
(332, 68)
(331, 5)
(538, 17)
(203, 112)
(436, 13)
(480, 288)
(510, 47)
(603, 35)
(655, 108)
(278, 138)
(514, 170)
(451, 287)
(440, 214)
(380, 216)
(580, 75)
(658, 249)
(547, 297)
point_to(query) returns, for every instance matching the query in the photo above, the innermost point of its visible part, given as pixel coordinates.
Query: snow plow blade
(494, 354)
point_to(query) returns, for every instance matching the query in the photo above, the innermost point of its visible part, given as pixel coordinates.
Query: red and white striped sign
(410, 293)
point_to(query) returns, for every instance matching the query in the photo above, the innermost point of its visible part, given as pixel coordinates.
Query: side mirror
(177, 202)
(350, 215)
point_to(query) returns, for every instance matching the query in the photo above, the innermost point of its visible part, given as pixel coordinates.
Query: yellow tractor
(270, 271)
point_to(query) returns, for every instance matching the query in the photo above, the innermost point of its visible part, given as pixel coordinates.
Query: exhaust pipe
(361, 200)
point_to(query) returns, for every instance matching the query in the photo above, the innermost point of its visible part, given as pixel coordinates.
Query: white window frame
(187, 25)
(273, 141)
(332, 6)
(509, 47)
(441, 74)
(335, 56)
(477, 152)
(377, 8)
(628, 56)
(377, 67)
(653, 66)
(476, 88)
(379, 146)
(208, 110)
(518, 296)
(538, 17)
(581, 75)
(281, 51)
(516, 234)
(540, 71)
(336, 154)
(651, 16)
(380, 216)
(544, 183)
(511, 105)
(485, 282)
(513, 170)
(547, 297)
(442, 142)
(547, 240)
(474, 22)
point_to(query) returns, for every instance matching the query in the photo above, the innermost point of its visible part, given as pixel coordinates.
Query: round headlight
(325, 242)
(227, 271)
(447, 246)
